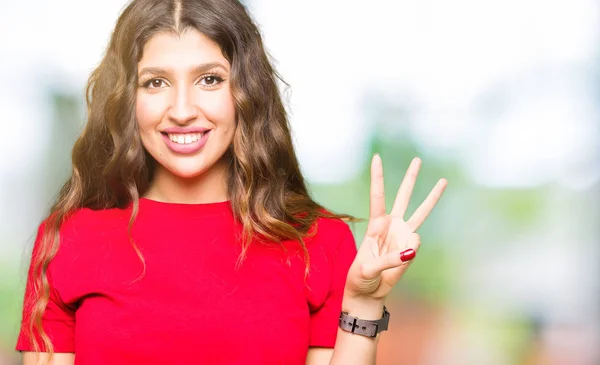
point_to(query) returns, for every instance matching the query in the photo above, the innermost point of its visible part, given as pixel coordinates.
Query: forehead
(169, 49)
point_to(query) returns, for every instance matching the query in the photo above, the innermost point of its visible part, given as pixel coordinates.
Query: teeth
(185, 138)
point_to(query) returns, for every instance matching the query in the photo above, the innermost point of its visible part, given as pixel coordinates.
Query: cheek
(148, 112)
(220, 109)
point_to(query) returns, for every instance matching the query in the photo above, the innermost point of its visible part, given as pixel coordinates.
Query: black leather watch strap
(364, 327)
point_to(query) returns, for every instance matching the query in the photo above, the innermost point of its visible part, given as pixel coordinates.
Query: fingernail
(407, 255)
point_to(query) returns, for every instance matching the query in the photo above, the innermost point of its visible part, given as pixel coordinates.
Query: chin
(187, 172)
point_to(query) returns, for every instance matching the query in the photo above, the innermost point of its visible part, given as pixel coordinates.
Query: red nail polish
(407, 255)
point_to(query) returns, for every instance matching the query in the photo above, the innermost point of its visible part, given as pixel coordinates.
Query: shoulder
(331, 235)
(85, 225)
(83, 236)
(332, 250)
(331, 228)
(87, 220)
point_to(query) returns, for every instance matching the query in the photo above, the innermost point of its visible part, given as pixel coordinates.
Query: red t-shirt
(191, 305)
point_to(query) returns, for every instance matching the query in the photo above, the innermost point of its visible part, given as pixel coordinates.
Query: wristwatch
(364, 327)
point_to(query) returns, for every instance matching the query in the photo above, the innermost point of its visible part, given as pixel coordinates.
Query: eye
(211, 80)
(154, 83)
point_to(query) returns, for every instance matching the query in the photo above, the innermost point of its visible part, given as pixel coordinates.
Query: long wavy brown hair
(111, 168)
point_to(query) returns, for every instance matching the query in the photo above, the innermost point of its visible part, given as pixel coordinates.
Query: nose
(183, 108)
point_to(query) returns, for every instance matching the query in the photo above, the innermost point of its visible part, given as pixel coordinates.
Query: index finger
(423, 211)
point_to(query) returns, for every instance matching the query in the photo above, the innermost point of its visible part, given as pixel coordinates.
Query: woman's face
(184, 106)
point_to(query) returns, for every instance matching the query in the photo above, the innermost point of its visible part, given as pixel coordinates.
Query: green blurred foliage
(11, 295)
(66, 124)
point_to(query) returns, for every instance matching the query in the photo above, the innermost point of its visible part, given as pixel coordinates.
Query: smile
(186, 138)
(186, 143)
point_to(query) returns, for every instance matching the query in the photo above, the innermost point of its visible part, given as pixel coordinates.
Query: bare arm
(34, 358)
(319, 356)
(350, 348)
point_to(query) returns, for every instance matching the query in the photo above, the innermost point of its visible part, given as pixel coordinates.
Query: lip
(189, 148)
(183, 130)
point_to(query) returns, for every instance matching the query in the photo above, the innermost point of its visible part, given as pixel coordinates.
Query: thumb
(393, 259)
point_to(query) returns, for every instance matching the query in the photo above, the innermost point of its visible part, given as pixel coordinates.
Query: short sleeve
(324, 321)
(58, 320)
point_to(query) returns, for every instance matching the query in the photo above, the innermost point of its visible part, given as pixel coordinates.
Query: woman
(186, 233)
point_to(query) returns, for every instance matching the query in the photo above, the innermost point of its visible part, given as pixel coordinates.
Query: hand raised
(385, 252)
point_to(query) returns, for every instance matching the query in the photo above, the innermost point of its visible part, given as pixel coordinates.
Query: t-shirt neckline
(189, 209)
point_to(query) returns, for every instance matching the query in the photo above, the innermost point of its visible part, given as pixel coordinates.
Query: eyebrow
(198, 69)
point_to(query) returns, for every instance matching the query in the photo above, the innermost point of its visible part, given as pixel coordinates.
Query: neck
(208, 187)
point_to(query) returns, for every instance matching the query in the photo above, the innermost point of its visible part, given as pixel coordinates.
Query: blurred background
(501, 97)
